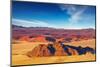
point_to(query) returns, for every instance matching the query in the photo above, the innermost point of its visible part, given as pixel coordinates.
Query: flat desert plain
(20, 48)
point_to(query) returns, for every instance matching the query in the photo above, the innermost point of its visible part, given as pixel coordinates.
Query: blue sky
(32, 14)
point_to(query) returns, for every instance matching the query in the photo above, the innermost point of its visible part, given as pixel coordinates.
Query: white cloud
(75, 13)
(69, 9)
(34, 23)
(77, 16)
(37, 23)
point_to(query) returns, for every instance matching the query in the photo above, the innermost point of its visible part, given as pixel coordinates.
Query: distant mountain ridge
(16, 26)
(20, 31)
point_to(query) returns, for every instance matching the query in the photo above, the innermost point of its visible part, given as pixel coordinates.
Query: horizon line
(51, 27)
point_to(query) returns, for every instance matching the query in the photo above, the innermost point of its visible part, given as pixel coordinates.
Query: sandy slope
(84, 43)
(20, 49)
(24, 60)
(23, 47)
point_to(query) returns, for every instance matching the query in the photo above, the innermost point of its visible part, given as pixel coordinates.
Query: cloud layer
(34, 23)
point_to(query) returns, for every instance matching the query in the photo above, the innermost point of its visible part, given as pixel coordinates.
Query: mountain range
(33, 32)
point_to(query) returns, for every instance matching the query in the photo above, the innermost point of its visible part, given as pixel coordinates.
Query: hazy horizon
(57, 28)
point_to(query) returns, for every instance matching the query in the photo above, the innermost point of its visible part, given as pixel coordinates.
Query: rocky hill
(58, 49)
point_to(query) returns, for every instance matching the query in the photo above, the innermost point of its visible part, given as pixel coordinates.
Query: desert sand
(20, 48)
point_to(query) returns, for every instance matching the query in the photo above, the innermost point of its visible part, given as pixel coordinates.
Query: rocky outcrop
(40, 39)
(58, 49)
(24, 38)
(39, 51)
(80, 50)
